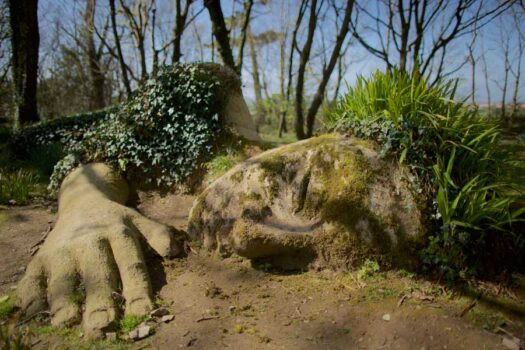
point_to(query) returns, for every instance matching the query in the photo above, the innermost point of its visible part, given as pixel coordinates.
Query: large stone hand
(95, 247)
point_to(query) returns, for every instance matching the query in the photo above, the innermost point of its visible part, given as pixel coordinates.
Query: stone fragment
(140, 333)
(167, 318)
(511, 344)
(161, 311)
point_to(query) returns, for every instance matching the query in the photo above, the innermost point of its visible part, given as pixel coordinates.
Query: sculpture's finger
(100, 277)
(160, 237)
(133, 272)
(64, 299)
(32, 288)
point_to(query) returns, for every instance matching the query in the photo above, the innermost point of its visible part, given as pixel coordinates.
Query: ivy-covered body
(159, 136)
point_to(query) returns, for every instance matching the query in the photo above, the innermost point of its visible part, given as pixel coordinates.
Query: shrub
(455, 159)
(63, 131)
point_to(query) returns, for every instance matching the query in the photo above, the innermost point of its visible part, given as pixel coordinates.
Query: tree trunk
(95, 67)
(122, 63)
(221, 33)
(318, 97)
(303, 60)
(257, 89)
(282, 67)
(245, 23)
(25, 40)
(180, 24)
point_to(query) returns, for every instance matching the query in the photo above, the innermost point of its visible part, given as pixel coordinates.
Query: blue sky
(276, 15)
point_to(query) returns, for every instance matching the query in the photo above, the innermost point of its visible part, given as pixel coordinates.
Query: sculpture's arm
(94, 250)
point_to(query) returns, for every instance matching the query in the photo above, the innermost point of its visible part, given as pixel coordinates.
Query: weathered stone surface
(140, 332)
(327, 200)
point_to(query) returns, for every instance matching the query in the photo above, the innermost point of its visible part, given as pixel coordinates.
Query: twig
(36, 246)
(298, 311)
(32, 316)
(499, 329)
(402, 300)
(467, 309)
(206, 318)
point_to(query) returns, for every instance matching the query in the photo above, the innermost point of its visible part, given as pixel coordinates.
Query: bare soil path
(230, 304)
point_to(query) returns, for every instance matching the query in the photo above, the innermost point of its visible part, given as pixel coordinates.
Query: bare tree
(248, 5)
(25, 42)
(138, 17)
(327, 72)
(120, 56)
(181, 16)
(420, 31)
(93, 55)
(505, 46)
(221, 33)
(518, 19)
(303, 60)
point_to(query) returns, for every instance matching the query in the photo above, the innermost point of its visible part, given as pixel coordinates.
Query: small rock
(4, 298)
(111, 336)
(140, 333)
(231, 308)
(12, 202)
(161, 311)
(511, 344)
(386, 317)
(167, 318)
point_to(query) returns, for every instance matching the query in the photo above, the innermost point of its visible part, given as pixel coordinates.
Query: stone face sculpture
(330, 201)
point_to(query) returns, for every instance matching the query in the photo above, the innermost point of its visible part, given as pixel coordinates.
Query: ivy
(158, 137)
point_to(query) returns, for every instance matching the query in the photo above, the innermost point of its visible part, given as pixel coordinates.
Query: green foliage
(44, 158)
(15, 340)
(158, 137)
(220, 164)
(368, 269)
(455, 157)
(7, 305)
(64, 131)
(19, 185)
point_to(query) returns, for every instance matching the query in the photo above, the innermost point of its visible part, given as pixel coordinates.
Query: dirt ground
(228, 303)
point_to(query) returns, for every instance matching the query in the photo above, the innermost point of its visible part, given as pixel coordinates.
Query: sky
(279, 15)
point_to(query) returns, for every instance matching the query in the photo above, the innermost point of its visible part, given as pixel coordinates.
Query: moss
(342, 200)
(237, 176)
(273, 166)
(7, 305)
(252, 241)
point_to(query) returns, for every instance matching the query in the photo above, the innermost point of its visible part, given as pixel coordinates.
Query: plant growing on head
(455, 158)
(157, 138)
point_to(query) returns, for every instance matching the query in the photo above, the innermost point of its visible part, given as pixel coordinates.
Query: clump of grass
(457, 164)
(19, 185)
(220, 164)
(130, 322)
(13, 340)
